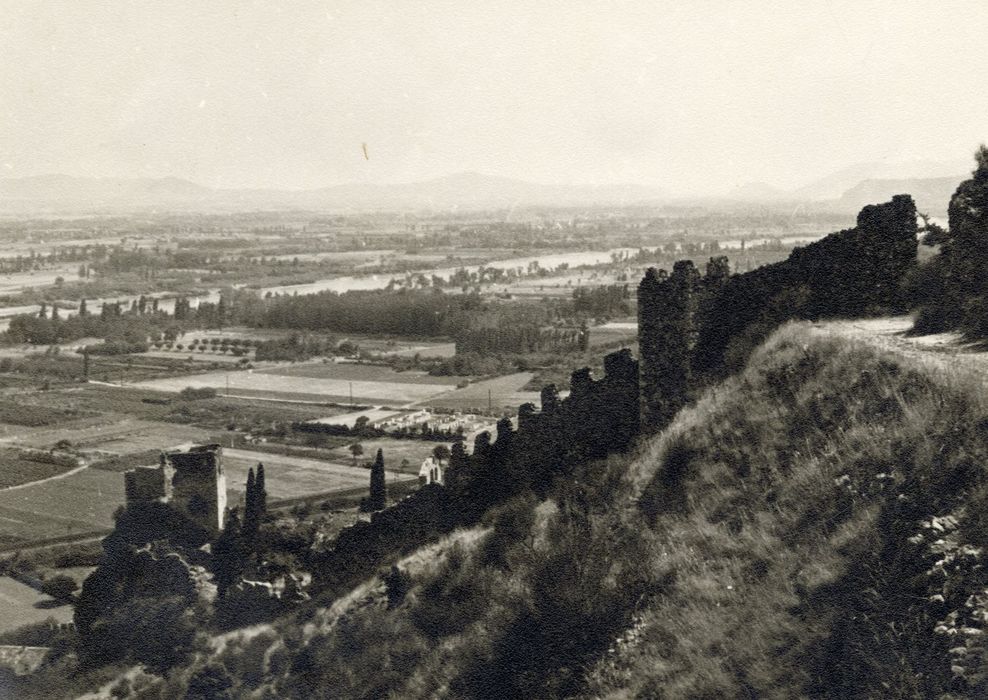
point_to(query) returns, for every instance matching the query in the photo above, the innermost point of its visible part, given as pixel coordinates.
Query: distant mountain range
(463, 191)
(932, 195)
(931, 183)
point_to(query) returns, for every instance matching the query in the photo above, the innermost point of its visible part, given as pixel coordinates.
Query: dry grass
(783, 503)
(810, 528)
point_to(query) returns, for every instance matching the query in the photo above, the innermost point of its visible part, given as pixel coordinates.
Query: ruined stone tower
(191, 482)
(667, 306)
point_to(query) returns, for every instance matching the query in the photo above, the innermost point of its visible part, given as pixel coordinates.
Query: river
(347, 283)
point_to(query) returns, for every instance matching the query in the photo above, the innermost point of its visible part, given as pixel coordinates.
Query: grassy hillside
(810, 528)
(823, 518)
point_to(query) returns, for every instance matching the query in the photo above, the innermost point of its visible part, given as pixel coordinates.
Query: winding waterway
(347, 283)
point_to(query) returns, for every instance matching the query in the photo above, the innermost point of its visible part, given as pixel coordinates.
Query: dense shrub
(115, 347)
(191, 393)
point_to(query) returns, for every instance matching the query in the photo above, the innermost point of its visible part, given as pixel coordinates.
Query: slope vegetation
(812, 527)
(822, 517)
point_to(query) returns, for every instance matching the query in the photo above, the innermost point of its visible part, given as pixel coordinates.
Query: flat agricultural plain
(293, 477)
(84, 502)
(503, 392)
(22, 605)
(255, 383)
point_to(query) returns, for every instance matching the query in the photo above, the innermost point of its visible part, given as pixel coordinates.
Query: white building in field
(431, 472)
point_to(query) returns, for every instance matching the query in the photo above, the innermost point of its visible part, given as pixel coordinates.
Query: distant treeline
(477, 325)
(395, 313)
(113, 322)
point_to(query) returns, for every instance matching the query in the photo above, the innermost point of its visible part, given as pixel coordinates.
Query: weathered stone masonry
(192, 482)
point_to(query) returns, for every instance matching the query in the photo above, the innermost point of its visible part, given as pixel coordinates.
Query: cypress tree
(378, 489)
(260, 494)
(250, 508)
(457, 461)
(229, 553)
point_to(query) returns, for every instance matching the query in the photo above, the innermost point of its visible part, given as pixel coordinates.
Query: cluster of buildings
(466, 422)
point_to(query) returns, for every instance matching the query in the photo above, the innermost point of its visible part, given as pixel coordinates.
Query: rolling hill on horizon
(460, 191)
(850, 188)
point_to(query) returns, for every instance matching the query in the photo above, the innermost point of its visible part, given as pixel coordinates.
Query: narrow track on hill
(38, 482)
(947, 352)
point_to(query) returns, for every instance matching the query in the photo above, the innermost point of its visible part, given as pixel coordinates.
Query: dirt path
(947, 352)
(70, 472)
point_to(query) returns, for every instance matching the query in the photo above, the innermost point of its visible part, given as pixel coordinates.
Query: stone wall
(146, 484)
(191, 482)
(198, 485)
(691, 326)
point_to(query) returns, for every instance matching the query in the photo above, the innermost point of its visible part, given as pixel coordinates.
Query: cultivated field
(22, 605)
(17, 468)
(415, 451)
(293, 477)
(250, 383)
(503, 392)
(80, 503)
(114, 435)
(357, 372)
(350, 418)
(428, 350)
(201, 357)
(23, 413)
(613, 332)
(118, 403)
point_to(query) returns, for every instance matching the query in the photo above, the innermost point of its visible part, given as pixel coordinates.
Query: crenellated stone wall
(689, 325)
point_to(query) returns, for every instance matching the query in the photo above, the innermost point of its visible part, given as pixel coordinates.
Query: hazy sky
(685, 95)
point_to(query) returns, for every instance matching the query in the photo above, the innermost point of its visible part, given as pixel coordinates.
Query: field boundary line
(70, 472)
